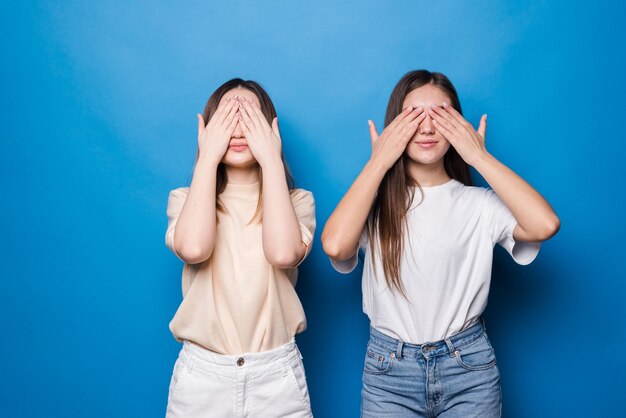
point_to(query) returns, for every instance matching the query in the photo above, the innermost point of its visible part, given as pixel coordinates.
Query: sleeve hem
(345, 266)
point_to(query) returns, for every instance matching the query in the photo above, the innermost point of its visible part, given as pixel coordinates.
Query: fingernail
(419, 109)
(445, 104)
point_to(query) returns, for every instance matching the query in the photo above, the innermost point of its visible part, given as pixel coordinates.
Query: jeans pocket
(179, 375)
(295, 369)
(378, 361)
(478, 355)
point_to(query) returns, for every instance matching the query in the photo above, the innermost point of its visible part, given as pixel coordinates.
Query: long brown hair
(387, 218)
(267, 107)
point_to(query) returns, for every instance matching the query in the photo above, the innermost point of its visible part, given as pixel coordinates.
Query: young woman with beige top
(241, 228)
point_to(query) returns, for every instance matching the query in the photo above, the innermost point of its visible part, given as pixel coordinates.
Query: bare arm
(282, 238)
(340, 237)
(536, 220)
(194, 237)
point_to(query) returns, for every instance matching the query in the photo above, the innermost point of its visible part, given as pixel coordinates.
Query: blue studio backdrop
(98, 123)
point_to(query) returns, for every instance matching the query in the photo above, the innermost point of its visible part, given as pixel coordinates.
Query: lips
(426, 144)
(238, 146)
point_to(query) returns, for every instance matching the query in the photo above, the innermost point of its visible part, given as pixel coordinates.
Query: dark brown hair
(267, 107)
(387, 218)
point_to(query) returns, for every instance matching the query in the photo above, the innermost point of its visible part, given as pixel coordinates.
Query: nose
(237, 132)
(426, 127)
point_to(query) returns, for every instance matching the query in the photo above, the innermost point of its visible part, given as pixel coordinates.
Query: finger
(373, 132)
(482, 127)
(445, 119)
(405, 113)
(248, 115)
(245, 117)
(230, 115)
(443, 130)
(221, 107)
(440, 112)
(226, 111)
(457, 116)
(257, 114)
(231, 127)
(413, 125)
(245, 127)
(201, 124)
(409, 130)
(275, 127)
(410, 118)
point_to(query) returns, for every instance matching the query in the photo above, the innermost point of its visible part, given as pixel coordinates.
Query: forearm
(282, 239)
(194, 237)
(536, 219)
(342, 231)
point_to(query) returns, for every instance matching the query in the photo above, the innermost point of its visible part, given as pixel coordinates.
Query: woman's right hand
(390, 145)
(214, 137)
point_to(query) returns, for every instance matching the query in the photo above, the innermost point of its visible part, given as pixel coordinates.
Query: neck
(428, 175)
(243, 175)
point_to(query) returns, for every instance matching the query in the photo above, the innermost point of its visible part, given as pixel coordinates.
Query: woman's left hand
(469, 143)
(263, 140)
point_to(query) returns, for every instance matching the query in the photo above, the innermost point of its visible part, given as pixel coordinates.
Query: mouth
(238, 146)
(426, 144)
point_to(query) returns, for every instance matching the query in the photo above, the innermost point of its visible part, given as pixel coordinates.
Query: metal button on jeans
(240, 362)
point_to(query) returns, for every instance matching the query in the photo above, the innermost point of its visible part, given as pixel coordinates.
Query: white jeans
(257, 385)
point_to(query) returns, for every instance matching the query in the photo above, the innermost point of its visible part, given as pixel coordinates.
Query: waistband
(199, 353)
(448, 346)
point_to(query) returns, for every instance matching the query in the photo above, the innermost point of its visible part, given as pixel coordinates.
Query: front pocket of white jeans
(299, 385)
(180, 370)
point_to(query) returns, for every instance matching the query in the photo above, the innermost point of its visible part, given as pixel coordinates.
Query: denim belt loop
(453, 351)
(399, 350)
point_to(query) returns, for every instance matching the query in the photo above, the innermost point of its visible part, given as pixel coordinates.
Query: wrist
(483, 160)
(271, 162)
(207, 161)
(376, 168)
(375, 165)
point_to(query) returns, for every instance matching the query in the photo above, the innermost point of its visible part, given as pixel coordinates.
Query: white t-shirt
(445, 266)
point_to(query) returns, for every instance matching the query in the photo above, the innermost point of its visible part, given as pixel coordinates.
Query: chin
(239, 159)
(426, 157)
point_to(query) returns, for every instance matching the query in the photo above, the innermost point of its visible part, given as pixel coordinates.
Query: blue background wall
(98, 124)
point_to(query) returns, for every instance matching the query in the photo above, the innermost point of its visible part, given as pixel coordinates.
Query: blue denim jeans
(455, 377)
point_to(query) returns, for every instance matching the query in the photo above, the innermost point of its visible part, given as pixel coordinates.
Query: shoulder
(476, 193)
(467, 198)
(301, 195)
(181, 192)
(178, 195)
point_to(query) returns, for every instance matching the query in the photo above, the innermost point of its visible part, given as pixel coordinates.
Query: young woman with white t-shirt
(428, 237)
(241, 229)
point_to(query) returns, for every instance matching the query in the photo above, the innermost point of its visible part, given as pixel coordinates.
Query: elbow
(548, 229)
(334, 250)
(283, 259)
(551, 227)
(193, 254)
(331, 249)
